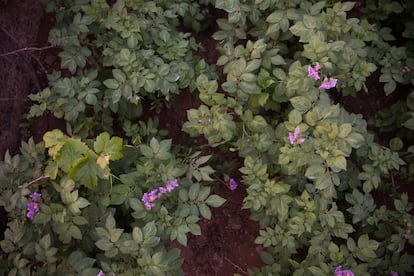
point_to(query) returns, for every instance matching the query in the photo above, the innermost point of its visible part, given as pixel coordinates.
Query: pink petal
(297, 131)
(292, 138)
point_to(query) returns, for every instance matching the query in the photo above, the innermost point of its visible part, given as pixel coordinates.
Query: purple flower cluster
(232, 184)
(296, 137)
(100, 273)
(327, 83)
(33, 207)
(313, 71)
(393, 273)
(340, 272)
(35, 197)
(149, 198)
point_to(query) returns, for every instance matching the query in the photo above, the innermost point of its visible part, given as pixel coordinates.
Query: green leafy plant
(315, 173)
(82, 186)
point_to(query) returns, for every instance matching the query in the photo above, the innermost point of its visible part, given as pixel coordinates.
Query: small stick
(10, 99)
(236, 266)
(27, 49)
(33, 181)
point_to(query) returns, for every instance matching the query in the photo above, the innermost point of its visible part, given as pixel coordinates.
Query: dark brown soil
(19, 26)
(24, 29)
(226, 245)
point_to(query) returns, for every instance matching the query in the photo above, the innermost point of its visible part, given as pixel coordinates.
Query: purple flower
(148, 198)
(171, 185)
(32, 209)
(145, 200)
(148, 205)
(35, 197)
(162, 190)
(30, 215)
(328, 83)
(340, 272)
(292, 138)
(100, 273)
(300, 140)
(144, 197)
(295, 135)
(393, 273)
(152, 196)
(232, 184)
(313, 71)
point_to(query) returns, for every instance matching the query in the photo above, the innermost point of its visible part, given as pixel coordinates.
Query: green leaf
(75, 232)
(115, 234)
(73, 57)
(324, 182)
(279, 74)
(182, 239)
(45, 242)
(355, 139)
(339, 162)
(53, 138)
(82, 202)
(110, 222)
(316, 271)
(277, 60)
(204, 193)
(149, 229)
(409, 123)
(137, 235)
(389, 87)
(295, 117)
(253, 65)
(302, 104)
(119, 194)
(72, 152)
(183, 195)
(151, 242)
(215, 201)
(193, 192)
(315, 171)
(316, 8)
(310, 22)
(107, 146)
(396, 144)
(205, 211)
(79, 220)
(195, 229)
(276, 16)
(266, 257)
(83, 264)
(311, 118)
(344, 130)
(104, 244)
(86, 172)
(146, 151)
(111, 83)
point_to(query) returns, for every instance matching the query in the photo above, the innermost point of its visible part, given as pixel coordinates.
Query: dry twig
(236, 266)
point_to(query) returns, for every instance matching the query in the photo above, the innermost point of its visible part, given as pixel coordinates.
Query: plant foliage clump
(87, 200)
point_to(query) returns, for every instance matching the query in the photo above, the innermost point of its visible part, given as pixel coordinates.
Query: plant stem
(27, 49)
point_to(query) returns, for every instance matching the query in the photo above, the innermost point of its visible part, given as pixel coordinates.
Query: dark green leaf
(215, 201)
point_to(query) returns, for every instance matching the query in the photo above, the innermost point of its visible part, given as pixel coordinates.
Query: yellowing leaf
(103, 161)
